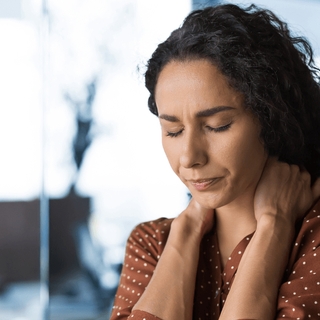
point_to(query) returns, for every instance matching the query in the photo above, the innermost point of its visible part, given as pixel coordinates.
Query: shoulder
(150, 236)
(153, 228)
(307, 241)
(300, 294)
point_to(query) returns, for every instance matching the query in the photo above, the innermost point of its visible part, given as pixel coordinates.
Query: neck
(234, 219)
(233, 222)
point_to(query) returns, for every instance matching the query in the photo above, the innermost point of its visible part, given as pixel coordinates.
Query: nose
(193, 151)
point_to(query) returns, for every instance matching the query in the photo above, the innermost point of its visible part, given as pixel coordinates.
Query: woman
(238, 101)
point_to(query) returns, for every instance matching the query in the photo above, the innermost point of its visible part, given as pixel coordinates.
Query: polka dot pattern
(299, 295)
(143, 250)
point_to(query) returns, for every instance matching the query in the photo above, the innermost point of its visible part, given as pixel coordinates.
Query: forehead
(196, 83)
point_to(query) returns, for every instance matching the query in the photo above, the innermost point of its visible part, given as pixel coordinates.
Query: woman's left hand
(284, 191)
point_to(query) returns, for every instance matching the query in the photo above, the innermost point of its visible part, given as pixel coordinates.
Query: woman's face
(211, 141)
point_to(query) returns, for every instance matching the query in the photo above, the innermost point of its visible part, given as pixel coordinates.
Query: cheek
(172, 154)
(242, 154)
(249, 158)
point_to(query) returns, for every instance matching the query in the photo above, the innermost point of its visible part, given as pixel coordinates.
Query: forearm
(255, 289)
(169, 294)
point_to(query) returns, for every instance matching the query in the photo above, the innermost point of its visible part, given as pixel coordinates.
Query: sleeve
(299, 296)
(143, 250)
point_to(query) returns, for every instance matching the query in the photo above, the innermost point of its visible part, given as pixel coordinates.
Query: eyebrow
(200, 114)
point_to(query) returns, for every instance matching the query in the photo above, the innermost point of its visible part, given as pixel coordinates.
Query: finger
(271, 161)
(316, 189)
(305, 175)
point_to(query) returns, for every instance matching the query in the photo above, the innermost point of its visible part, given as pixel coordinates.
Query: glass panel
(20, 164)
(103, 145)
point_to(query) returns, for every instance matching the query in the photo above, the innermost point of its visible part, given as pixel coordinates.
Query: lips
(203, 184)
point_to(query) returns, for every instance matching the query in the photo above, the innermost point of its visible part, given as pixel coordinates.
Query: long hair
(260, 58)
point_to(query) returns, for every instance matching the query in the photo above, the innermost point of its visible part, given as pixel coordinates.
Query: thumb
(316, 189)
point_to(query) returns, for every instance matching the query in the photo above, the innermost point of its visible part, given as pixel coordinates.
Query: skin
(201, 144)
(217, 154)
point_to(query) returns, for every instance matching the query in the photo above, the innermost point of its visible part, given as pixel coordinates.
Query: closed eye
(220, 129)
(174, 134)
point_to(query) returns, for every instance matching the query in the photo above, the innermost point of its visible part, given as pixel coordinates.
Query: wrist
(276, 225)
(185, 228)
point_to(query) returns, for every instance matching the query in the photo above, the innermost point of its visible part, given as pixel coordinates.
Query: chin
(210, 201)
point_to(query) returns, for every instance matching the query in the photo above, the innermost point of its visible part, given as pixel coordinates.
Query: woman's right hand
(195, 220)
(170, 292)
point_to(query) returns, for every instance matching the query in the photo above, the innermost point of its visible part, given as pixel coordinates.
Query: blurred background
(81, 160)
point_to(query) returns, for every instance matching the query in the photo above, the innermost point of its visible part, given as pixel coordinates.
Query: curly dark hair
(261, 59)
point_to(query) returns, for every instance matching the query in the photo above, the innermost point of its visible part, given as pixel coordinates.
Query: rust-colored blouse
(299, 294)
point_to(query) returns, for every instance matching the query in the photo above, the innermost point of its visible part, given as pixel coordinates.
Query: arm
(142, 253)
(162, 289)
(282, 196)
(254, 292)
(170, 292)
(299, 295)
